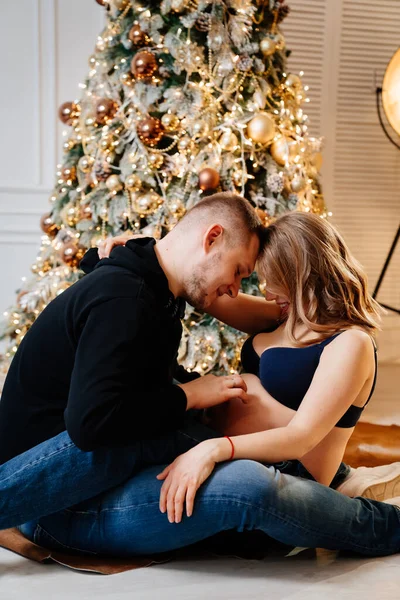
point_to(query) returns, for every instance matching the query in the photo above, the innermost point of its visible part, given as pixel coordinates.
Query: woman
(308, 379)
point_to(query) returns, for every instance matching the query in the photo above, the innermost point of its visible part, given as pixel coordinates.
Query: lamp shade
(391, 92)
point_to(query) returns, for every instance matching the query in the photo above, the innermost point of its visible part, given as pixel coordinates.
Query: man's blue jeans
(107, 501)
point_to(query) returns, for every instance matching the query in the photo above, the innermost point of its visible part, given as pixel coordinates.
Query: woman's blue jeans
(107, 501)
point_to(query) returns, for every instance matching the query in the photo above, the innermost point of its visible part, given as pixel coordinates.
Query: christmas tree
(183, 98)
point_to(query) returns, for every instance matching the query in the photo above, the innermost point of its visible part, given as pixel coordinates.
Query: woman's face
(278, 296)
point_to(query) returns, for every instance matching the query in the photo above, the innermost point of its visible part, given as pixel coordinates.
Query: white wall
(45, 45)
(342, 45)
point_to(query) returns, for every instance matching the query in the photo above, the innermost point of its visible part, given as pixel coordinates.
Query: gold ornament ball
(92, 61)
(208, 179)
(284, 150)
(156, 160)
(146, 204)
(267, 46)
(48, 226)
(293, 81)
(298, 183)
(144, 65)
(170, 121)
(133, 183)
(228, 140)
(261, 128)
(105, 110)
(137, 36)
(150, 131)
(113, 183)
(69, 112)
(85, 163)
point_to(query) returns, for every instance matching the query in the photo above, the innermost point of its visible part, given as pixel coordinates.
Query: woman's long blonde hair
(327, 287)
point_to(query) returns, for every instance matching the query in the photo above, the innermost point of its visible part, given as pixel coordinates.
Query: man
(90, 404)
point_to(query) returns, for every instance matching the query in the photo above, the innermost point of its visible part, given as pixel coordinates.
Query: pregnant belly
(262, 412)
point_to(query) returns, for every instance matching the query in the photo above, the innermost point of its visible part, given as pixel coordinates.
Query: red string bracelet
(233, 447)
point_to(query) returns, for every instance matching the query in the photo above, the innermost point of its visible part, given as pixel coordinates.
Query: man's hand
(211, 390)
(105, 246)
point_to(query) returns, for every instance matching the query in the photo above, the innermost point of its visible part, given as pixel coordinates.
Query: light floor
(303, 577)
(295, 578)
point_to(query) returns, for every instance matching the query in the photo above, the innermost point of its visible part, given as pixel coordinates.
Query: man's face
(220, 272)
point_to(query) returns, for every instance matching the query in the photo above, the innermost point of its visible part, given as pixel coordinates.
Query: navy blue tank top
(286, 374)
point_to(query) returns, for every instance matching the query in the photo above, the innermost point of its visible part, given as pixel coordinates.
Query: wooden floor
(376, 439)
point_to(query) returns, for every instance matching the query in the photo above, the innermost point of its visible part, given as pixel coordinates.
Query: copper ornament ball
(102, 2)
(144, 65)
(68, 112)
(150, 131)
(48, 226)
(208, 179)
(105, 110)
(267, 46)
(72, 254)
(137, 36)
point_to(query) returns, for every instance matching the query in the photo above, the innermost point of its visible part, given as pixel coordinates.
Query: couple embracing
(108, 447)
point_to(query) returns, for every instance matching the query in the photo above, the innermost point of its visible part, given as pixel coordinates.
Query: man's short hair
(233, 212)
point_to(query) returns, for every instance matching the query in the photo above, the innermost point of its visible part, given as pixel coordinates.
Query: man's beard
(196, 290)
(197, 286)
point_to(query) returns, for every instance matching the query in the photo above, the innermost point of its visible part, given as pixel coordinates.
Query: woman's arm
(250, 314)
(344, 368)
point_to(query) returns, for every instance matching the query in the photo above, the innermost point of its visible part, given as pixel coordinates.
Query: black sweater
(99, 360)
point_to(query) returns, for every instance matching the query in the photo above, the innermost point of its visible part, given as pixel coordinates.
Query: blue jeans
(118, 494)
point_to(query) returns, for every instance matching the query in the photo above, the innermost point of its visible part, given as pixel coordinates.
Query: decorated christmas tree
(183, 98)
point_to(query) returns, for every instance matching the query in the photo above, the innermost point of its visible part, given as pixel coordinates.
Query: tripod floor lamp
(389, 96)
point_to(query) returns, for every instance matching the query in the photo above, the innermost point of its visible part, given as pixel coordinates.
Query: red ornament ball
(105, 110)
(68, 112)
(208, 179)
(150, 131)
(144, 65)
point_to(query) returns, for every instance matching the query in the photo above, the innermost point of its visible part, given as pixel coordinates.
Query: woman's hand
(185, 475)
(105, 246)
